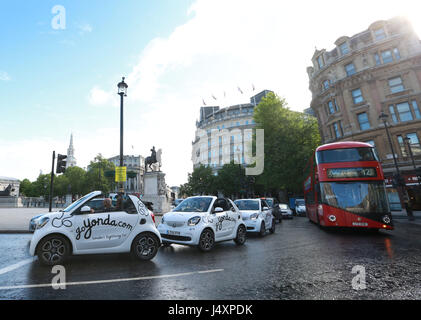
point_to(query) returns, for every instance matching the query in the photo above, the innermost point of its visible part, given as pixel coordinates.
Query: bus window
(346, 155)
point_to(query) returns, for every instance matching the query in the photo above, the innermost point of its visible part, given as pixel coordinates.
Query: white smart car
(256, 215)
(87, 227)
(202, 221)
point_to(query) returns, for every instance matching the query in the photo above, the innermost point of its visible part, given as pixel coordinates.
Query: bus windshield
(346, 155)
(355, 197)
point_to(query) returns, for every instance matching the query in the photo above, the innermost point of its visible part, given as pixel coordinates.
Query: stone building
(134, 164)
(377, 70)
(222, 135)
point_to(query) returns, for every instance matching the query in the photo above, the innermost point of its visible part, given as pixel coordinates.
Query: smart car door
(221, 218)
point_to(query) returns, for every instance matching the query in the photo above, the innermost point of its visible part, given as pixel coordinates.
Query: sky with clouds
(174, 54)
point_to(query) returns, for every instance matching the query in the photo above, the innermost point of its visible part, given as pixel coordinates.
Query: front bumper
(181, 235)
(252, 225)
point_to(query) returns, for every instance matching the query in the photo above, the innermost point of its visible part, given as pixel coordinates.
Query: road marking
(44, 285)
(15, 266)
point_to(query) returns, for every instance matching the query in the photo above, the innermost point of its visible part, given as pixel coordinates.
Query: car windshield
(77, 202)
(346, 155)
(355, 197)
(300, 203)
(199, 204)
(269, 202)
(283, 206)
(247, 204)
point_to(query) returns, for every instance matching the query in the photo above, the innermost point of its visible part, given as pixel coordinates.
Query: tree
(201, 181)
(96, 179)
(290, 139)
(76, 181)
(26, 188)
(231, 180)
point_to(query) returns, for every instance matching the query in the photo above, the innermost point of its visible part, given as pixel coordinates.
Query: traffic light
(61, 163)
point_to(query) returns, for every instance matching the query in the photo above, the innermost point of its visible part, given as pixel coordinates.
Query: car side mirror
(85, 209)
(218, 209)
(265, 208)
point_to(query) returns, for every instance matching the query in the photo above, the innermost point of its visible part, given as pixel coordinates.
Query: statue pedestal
(155, 192)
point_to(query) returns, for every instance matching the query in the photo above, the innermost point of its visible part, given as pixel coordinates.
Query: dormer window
(379, 34)
(344, 48)
(320, 61)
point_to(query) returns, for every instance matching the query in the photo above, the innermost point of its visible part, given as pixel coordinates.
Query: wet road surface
(299, 261)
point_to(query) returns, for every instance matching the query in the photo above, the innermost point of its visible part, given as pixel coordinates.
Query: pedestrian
(408, 207)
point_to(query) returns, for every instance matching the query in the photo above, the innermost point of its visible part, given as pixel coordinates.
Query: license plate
(174, 233)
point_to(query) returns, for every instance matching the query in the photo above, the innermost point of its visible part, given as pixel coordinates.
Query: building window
(350, 69)
(404, 111)
(415, 143)
(396, 53)
(325, 84)
(396, 85)
(402, 146)
(337, 129)
(363, 121)
(332, 106)
(387, 56)
(344, 48)
(416, 110)
(392, 112)
(377, 58)
(320, 61)
(357, 96)
(379, 34)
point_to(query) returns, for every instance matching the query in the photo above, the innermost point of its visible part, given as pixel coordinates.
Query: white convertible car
(86, 228)
(202, 221)
(256, 215)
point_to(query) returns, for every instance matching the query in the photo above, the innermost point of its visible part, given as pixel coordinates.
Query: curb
(14, 231)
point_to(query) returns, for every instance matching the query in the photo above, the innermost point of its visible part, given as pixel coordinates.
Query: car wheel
(262, 231)
(272, 229)
(145, 246)
(53, 250)
(241, 235)
(207, 240)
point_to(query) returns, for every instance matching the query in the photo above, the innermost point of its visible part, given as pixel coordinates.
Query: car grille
(172, 237)
(174, 224)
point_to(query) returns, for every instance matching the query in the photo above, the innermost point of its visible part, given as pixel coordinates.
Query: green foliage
(201, 181)
(231, 179)
(96, 178)
(290, 139)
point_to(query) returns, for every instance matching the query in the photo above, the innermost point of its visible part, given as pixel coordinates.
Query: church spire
(71, 160)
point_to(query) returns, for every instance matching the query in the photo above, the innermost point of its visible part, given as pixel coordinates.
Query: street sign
(120, 174)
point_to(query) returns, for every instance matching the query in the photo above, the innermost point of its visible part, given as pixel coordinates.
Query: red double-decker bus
(345, 187)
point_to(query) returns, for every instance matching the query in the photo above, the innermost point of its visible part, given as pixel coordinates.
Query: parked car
(274, 206)
(300, 207)
(86, 227)
(202, 221)
(256, 215)
(285, 211)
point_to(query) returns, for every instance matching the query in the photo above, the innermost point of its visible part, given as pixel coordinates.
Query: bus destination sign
(336, 173)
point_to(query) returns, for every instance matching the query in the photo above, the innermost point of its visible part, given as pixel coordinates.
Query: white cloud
(4, 76)
(84, 28)
(100, 97)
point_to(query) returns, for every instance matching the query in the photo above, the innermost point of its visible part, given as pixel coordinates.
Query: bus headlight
(332, 218)
(386, 219)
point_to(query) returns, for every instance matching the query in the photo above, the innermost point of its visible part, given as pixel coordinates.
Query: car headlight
(193, 221)
(254, 216)
(42, 222)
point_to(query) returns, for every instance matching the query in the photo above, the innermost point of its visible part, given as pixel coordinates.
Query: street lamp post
(122, 91)
(400, 185)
